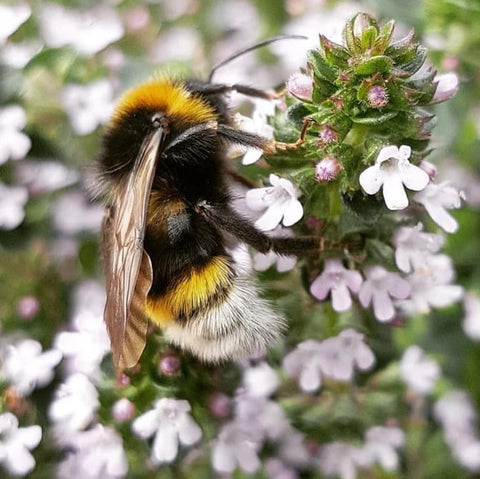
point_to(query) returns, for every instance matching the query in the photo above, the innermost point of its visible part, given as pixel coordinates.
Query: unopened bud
(28, 307)
(219, 405)
(377, 96)
(300, 86)
(169, 365)
(429, 168)
(328, 135)
(123, 410)
(327, 169)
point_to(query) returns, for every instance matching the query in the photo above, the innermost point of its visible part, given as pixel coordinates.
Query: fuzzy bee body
(170, 228)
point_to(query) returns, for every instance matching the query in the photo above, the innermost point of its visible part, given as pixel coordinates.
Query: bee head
(159, 103)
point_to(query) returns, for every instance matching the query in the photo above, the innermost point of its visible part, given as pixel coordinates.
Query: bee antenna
(253, 47)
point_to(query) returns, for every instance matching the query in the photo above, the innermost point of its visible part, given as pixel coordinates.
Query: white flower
(471, 321)
(234, 448)
(260, 380)
(13, 143)
(419, 372)
(378, 288)
(339, 459)
(393, 171)
(171, 423)
(305, 363)
(44, 175)
(11, 17)
(447, 86)
(335, 357)
(87, 344)
(413, 247)
(26, 367)
(338, 281)
(262, 262)
(280, 201)
(12, 201)
(437, 199)
(17, 55)
(342, 353)
(92, 454)
(72, 214)
(88, 105)
(16, 444)
(258, 125)
(276, 469)
(74, 405)
(380, 446)
(87, 31)
(430, 285)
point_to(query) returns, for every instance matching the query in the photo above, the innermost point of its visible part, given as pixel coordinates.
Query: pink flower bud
(123, 410)
(327, 169)
(169, 365)
(28, 307)
(446, 88)
(219, 405)
(122, 381)
(328, 135)
(377, 96)
(300, 86)
(429, 168)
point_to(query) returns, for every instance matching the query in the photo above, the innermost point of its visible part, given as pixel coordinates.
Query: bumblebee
(170, 227)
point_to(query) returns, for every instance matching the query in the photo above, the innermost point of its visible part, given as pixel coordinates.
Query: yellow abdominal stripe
(168, 96)
(193, 291)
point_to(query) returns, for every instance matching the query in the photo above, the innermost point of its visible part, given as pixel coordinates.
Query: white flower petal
(371, 180)
(394, 192)
(165, 444)
(414, 178)
(293, 212)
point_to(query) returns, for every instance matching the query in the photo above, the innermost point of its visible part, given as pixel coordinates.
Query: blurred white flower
(437, 199)
(379, 287)
(12, 201)
(419, 372)
(16, 444)
(380, 447)
(458, 417)
(304, 362)
(171, 423)
(430, 285)
(17, 55)
(447, 86)
(26, 367)
(260, 380)
(258, 125)
(88, 106)
(41, 176)
(234, 448)
(341, 354)
(87, 31)
(178, 44)
(280, 202)
(93, 454)
(335, 357)
(339, 459)
(393, 171)
(73, 213)
(413, 246)
(338, 281)
(74, 405)
(11, 17)
(14, 144)
(87, 344)
(471, 321)
(276, 469)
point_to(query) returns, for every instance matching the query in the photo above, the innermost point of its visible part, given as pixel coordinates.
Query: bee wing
(128, 266)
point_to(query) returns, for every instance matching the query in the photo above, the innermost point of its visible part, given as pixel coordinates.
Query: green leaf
(318, 202)
(297, 113)
(414, 65)
(368, 38)
(385, 36)
(367, 209)
(294, 159)
(334, 53)
(374, 118)
(380, 252)
(321, 68)
(372, 65)
(322, 89)
(349, 38)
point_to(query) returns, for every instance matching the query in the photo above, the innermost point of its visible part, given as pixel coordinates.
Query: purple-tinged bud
(327, 169)
(220, 405)
(300, 86)
(328, 135)
(429, 168)
(377, 96)
(123, 410)
(28, 307)
(450, 63)
(122, 381)
(169, 365)
(313, 223)
(446, 88)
